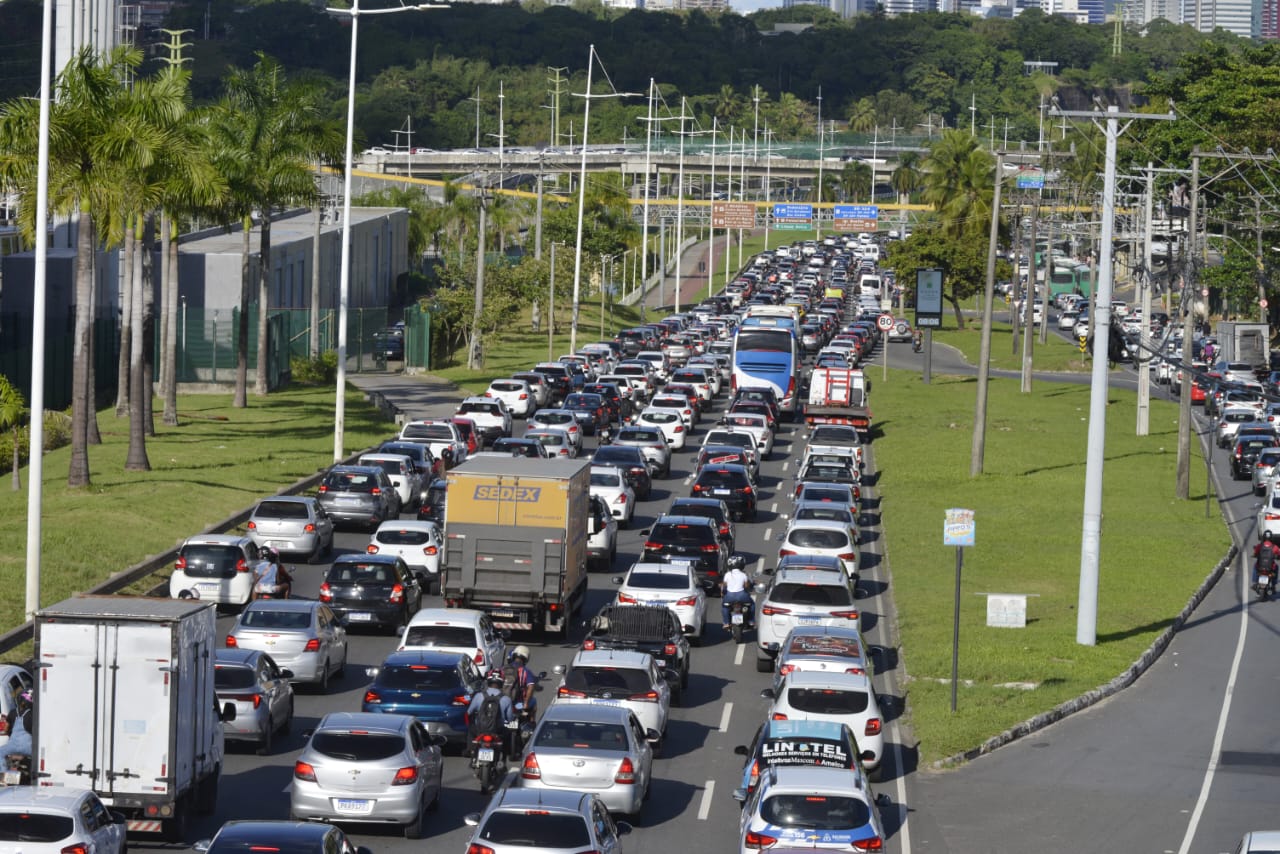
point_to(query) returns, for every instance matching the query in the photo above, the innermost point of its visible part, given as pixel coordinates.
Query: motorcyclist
(735, 586)
(1271, 558)
(19, 743)
(492, 688)
(526, 681)
(270, 572)
(917, 340)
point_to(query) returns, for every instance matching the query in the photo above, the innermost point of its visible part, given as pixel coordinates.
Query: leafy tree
(862, 116)
(906, 176)
(958, 182)
(963, 260)
(13, 411)
(855, 180)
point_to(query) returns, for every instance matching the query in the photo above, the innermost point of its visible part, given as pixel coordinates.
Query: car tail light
(372, 697)
(785, 552)
(430, 550)
(697, 487)
(461, 700)
(871, 843)
(850, 614)
(848, 555)
(372, 548)
(779, 716)
(569, 692)
(313, 645)
(746, 490)
(523, 396)
(589, 644)
(303, 771)
(669, 650)
(397, 593)
(687, 602)
(406, 776)
(530, 770)
(626, 772)
(754, 778)
(326, 592)
(377, 490)
(257, 701)
(785, 669)
(724, 529)
(856, 671)
(479, 658)
(323, 488)
(774, 610)
(621, 499)
(679, 428)
(873, 726)
(78, 848)
(231, 642)
(709, 547)
(759, 840)
(181, 563)
(242, 565)
(252, 526)
(650, 544)
(627, 599)
(646, 697)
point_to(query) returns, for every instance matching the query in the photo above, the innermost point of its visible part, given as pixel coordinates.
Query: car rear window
(817, 538)
(33, 827)
(408, 537)
(555, 417)
(658, 580)
(260, 618)
(625, 456)
(367, 573)
(682, 534)
(604, 478)
(549, 440)
(427, 431)
(722, 477)
(418, 676)
(229, 677)
(446, 636)
(281, 510)
(791, 593)
(211, 561)
(660, 417)
(499, 385)
(596, 680)
(582, 735)
(633, 435)
(819, 493)
(486, 408)
(389, 466)
(347, 481)
(536, 829)
(830, 512)
(827, 701)
(357, 747)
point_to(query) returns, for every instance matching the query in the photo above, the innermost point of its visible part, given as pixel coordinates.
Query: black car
(633, 464)
(389, 347)
(693, 539)
(619, 407)
(731, 484)
(373, 590)
(712, 508)
(285, 837)
(520, 447)
(652, 629)
(432, 506)
(593, 404)
(1245, 454)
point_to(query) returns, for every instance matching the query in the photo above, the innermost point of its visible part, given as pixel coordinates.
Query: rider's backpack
(511, 683)
(489, 716)
(1266, 558)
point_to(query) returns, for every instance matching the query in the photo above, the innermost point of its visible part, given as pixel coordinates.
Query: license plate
(353, 807)
(360, 617)
(606, 702)
(209, 587)
(682, 561)
(720, 492)
(809, 621)
(484, 754)
(508, 614)
(737, 620)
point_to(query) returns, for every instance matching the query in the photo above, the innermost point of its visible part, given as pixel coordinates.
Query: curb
(1115, 686)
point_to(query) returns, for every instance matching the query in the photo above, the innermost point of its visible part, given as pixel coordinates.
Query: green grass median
(1155, 549)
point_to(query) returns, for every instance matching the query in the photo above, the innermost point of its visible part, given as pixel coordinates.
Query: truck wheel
(175, 829)
(207, 797)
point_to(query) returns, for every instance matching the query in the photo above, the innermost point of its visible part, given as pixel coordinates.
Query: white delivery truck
(125, 706)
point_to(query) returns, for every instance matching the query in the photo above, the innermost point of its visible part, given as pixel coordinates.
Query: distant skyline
(746, 6)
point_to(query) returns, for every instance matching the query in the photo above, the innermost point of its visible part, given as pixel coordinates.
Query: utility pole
(1091, 539)
(1028, 304)
(1185, 305)
(1144, 375)
(984, 350)
(474, 358)
(476, 98)
(556, 82)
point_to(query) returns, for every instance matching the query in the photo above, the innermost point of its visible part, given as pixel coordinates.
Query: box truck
(839, 396)
(1240, 341)
(125, 706)
(516, 540)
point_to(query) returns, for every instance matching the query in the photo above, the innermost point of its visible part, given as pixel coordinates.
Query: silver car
(609, 484)
(292, 524)
(359, 495)
(301, 635)
(260, 691)
(555, 440)
(652, 443)
(403, 474)
(613, 677)
(1264, 468)
(539, 821)
(368, 768)
(562, 419)
(597, 749)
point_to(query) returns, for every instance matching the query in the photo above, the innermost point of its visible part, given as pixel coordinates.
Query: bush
(57, 434)
(322, 370)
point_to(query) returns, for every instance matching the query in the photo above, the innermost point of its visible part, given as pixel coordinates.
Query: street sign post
(929, 298)
(733, 215)
(792, 217)
(884, 322)
(957, 530)
(855, 217)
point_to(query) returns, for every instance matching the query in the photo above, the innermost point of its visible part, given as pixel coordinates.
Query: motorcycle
(489, 755)
(739, 619)
(1265, 586)
(917, 344)
(273, 583)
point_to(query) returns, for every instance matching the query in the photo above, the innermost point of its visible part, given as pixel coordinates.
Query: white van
(869, 285)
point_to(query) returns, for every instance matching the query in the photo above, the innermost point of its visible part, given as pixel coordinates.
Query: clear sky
(745, 6)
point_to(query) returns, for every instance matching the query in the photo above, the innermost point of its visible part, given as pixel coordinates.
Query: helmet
(1266, 536)
(521, 651)
(494, 677)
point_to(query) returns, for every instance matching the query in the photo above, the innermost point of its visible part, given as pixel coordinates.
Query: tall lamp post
(344, 278)
(587, 96)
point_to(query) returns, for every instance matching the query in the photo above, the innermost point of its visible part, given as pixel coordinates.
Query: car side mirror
(471, 819)
(652, 736)
(371, 672)
(867, 756)
(227, 712)
(768, 694)
(617, 579)
(201, 846)
(558, 670)
(423, 581)
(286, 673)
(670, 675)
(740, 795)
(768, 570)
(741, 750)
(119, 817)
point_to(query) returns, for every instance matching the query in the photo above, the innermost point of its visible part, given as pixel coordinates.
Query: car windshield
(536, 829)
(30, 827)
(827, 701)
(722, 478)
(682, 534)
(261, 618)
(818, 538)
(418, 676)
(633, 435)
(628, 680)
(604, 478)
(427, 431)
(792, 593)
(357, 746)
(658, 580)
(281, 510)
(229, 677)
(581, 735)
(445, 636)
(407, 537)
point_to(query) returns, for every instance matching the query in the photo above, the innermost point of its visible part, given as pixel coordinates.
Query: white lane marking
(704, 808)
(768, 533)
(773, 508)
(724, 717)
(737, 656)
(759, 565)
(785, 463)
(1223, 715)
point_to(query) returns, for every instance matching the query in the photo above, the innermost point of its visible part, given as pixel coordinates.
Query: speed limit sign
(884, 322)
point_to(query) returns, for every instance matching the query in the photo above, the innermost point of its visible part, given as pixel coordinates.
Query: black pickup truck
(644, 628)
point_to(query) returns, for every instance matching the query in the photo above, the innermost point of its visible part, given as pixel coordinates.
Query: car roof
(832, 679)
(372, 721)
(365, 557)
(586, 713)
(560, 800)
(432, 658)
(612, 657)
(811, 576)
(290, 834)
(233, 655)
(824, 524)
(448, 616)
(682, 519)
(687, 501)
(401, 525)
(661, 568)
(14, 798)
(217, 540)
(294, 605)
(839, 782)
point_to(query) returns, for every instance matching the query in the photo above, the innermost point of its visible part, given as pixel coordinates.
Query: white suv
(492, 418)
(800, 597)
(842, 698)
(516, 394)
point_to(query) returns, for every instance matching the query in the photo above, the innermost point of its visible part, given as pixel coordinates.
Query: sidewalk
(409, 397)
(693, 275)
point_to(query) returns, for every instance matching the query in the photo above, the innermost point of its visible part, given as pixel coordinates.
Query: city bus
(766, 352)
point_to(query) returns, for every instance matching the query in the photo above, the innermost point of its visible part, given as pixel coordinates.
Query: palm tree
(728, 104)
(282, 130)
(89, 136)
(958, 182)
(855, 179)
(905, 179)
(862, 117)
(13, 410)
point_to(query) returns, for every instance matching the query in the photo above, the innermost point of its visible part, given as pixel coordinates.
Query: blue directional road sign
(855, 212)
(790, 211)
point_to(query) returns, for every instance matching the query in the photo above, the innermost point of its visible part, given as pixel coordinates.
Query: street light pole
(344, 276)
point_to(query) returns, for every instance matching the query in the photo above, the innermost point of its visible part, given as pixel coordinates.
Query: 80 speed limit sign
(884, 322)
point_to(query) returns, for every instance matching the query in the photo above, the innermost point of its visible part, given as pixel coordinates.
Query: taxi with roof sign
(822, 743)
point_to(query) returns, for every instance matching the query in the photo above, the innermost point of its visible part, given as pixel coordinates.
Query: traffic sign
(733, 215)
(884, 322)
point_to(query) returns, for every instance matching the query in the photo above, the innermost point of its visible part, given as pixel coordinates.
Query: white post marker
(884, 323)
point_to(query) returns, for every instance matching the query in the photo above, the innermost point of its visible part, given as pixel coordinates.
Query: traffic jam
(526, 622)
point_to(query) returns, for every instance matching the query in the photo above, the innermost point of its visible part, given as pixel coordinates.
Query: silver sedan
(260, 691)
(591, 748)
(293, 524)
(301, 635)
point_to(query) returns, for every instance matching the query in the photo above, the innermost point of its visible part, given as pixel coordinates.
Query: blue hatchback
(434, 687)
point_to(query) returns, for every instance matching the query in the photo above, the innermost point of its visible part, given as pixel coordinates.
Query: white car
(669, 421)
(1067, 320)
(556, 441)
(560, 419)
(57, 820)
(419, 544)
(516, 394)
(461, 630)
(491, 416)
(811, 808)
(402, 473)
(714, 375)
(1081, 329)
(757, 425)
(825, 649)
(615, 677)
(1230, 421)
(674, 586)
(801, 596)
(610, 485)
(822, 537)
(1269, 513)
(843, 698)
(691, 414)
(440, 435)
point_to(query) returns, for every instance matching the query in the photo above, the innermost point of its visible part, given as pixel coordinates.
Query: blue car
(434, 687)
(811, 807)
(826, 744)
